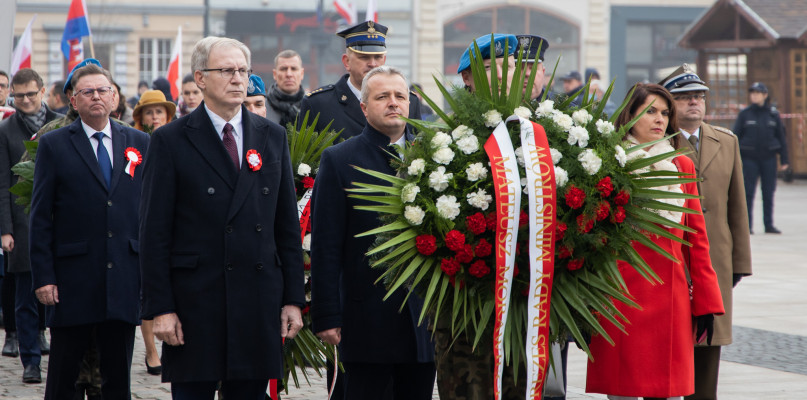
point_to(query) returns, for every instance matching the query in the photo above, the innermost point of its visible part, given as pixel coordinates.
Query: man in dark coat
(84, 226)
(222, 261)
(339, 102)
(379, 346)
(28, 91)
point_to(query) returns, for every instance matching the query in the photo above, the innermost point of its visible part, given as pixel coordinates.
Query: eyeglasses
(103, 91)
(690, 97)
(229, 73)
(30, 95)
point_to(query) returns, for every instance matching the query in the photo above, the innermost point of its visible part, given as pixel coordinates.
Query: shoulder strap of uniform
(320, 90)
(722, 129)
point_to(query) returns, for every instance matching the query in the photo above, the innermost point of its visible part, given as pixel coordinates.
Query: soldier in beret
(256, 96)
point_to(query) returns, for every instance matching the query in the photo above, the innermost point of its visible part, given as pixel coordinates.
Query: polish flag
(346, 10)
(21, 58)
(76, 27)
(372, 11)
(175, 66)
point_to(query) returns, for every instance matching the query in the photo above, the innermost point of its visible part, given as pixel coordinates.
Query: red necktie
(229, 144)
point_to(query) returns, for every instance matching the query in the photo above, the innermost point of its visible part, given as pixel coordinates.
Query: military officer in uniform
(366, 49)
(534, 48)
(716, 154)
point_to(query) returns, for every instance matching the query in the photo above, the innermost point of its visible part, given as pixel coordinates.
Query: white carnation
(523, 112)
(564, 121)
(448, 207)
(307, 242)
(520, 156)
(492, 118)
(461, 132)
(440, 140)
(303, 169)
(414, 215)
(620, 155)
(605, 128)
(545, 108)
(476, 171)
(578, 135)
(409, 192)
(556, 155)
(561, 176)
(438, 180)
(443, 155)
(417, 167)
(590, 161)
(524, 185)
(479, 199)
(582, 117)
(468, 144)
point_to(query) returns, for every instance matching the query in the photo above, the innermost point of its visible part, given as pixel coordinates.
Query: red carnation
(476, 223)
(454, 240)
(561, 230)
(619, 215)
(575, 264)
(466, 254)
(584, 224)
(575, 197)
(523, 219)
(479, 269)
(564, 252)
(450, 266)
(426, 244)
(483, 249)
(605, 186)
(603, 210)
(452, 281)
(308, 182)
(622, 198)
(490, 219)
(307, 266)
(305, 310)
(516, 270)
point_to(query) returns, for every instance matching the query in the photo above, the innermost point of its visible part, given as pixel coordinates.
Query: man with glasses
(28, 91)
(220, 241)
(716, 154)
(5, 111)
(84, 219)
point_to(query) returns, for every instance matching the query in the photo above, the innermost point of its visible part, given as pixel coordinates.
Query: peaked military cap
(684, 79)
(533, 46)
(485, 46)
(758, 87)
(367, 37)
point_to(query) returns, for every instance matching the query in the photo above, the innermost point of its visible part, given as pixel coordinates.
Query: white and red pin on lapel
(133, 159)
(254, 160)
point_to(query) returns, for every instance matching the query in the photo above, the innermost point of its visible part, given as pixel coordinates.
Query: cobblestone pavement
(768, 359)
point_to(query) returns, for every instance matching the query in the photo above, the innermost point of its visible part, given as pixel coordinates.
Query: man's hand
(783, 167)
(291, 321)
(168, 329)
(48, 294)
(331, 336)
(8, 242)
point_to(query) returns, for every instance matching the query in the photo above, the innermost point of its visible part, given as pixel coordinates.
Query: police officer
(762, 136)
(366, 48)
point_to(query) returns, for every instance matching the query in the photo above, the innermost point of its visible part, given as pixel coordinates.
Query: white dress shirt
(238, 130)
(107, 131)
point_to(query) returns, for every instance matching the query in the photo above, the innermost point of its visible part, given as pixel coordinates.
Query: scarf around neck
(663, 165)
(36, 120)
(287, 105)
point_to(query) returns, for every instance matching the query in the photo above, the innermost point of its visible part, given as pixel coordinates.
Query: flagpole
(92, 49)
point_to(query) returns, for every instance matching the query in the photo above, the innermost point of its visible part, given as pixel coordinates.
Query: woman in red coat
(654, 358)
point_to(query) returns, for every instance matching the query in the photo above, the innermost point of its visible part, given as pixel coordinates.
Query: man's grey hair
(201, 52)
(288, 53)
(382, 70)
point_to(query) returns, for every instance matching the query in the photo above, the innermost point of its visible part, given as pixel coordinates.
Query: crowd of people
(180, 216)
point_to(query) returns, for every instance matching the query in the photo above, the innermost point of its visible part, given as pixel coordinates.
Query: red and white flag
(372, 11)
(21, 58)
(175, 67)
(347, 10)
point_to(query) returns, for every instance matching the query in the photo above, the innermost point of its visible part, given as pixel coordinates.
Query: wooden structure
(744, 41)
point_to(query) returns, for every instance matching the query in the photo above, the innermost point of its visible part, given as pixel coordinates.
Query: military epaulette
(413, 93)
(722, 129)
(320, 90)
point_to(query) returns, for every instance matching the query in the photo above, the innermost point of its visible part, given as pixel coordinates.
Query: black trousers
(411, 381)
(206, 390)
(115, 341)
(764, 171)
(707, 367)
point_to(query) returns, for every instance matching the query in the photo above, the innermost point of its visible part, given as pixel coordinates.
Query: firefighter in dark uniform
(366, 49)
(762, 136)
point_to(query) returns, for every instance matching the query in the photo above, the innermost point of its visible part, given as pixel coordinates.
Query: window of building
(155, 54)
(728, 76)
(653, 52)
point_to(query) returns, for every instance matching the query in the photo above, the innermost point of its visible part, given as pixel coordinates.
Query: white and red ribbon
(133, 159)
(304, 211)
(506, 182)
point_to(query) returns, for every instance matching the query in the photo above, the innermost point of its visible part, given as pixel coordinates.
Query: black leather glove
(735, 279)
(706, 327)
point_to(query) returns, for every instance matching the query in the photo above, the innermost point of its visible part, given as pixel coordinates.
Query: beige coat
(726, 215)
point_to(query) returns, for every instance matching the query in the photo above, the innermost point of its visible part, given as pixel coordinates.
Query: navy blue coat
(344, 293)
(337, 103)
(221, 247)
(83, 236)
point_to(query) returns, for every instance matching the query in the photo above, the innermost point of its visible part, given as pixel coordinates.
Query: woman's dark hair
(641, 91)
